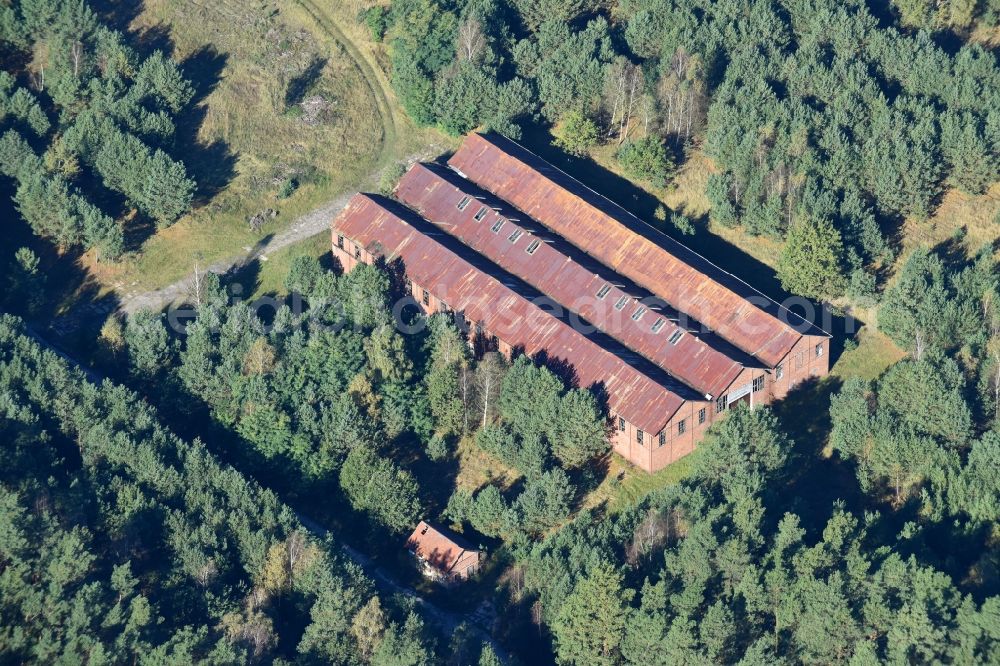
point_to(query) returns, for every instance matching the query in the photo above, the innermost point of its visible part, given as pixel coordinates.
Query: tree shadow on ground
(212, 164)
(137, 229)
(952, 251)
(150, 39)
(817, 479)
(300, 85)
(144, 39)
(436, 478)
(64, 280)
(243, 279)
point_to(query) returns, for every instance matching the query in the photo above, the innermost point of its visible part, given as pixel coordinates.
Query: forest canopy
(817, 115)
(87, 126)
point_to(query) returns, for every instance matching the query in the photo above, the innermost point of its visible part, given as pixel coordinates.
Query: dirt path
(312, 223)
(377, 83)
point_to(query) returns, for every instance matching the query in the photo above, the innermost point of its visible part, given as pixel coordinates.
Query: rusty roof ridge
(526, 291)
(413, 225)
(509, 171)
(670, 238)
(694, 327)
(418, 192)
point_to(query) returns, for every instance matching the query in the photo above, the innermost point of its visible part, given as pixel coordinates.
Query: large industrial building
(536, 263)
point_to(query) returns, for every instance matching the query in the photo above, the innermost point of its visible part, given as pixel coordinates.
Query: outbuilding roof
(595, 292)
(606, 231)
(389, 230)
(441, 549)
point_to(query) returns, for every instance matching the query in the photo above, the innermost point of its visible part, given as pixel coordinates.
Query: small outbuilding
(443, 555)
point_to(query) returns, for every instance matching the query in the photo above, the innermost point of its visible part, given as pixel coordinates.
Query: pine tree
(589, 626)
(812, 262)
(380, 488)
(579, 432)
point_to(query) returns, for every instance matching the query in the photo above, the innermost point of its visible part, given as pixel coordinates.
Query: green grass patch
(873, 355)
(476, 468)
(271, 274)
(631, 490)
(626, 485)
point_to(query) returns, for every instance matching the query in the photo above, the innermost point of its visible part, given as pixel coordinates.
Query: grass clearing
(874, 354)
(476, 468)
(270, 274)
(977, 215)
(283, 102)
(281, 97)
(686, 191)
(253, 61)
(626, 485)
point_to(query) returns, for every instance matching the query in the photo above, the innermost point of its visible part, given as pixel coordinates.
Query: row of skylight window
(639, 312)
(601, 293)
(498, 225)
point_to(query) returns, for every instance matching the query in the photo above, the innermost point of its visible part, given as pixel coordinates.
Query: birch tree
(489, 374)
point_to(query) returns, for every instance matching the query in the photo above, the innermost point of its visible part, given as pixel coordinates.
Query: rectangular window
(638, 437)
(819, 350)
(637, 315)
(662, 438)
(426, 297)
(779, 371)
(464, 202)
(720, 404)
(658, 324)
(758, 383)
(701, 416)
(681, 427)
(621, 302)
(357, 251)
(621, 424)
(340, 241)
(677, 335)
(798, 360)
(497, 226)
(514, 236)
(603, 291)
(481, 213)
(532, 246)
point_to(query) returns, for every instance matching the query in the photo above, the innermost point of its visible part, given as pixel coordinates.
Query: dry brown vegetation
(285, 101)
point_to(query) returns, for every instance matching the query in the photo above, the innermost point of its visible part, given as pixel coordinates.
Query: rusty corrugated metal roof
(436, 194)
(517, 321)
(610, 234)
(438, 547)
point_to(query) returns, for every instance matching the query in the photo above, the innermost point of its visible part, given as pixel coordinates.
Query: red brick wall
(800, 364)
(650, 455)
(467, 559)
